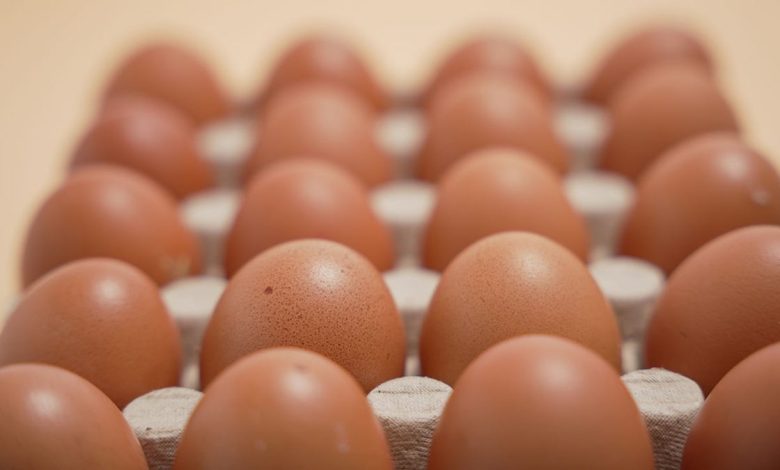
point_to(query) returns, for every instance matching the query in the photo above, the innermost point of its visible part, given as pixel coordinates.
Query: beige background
(54, 56)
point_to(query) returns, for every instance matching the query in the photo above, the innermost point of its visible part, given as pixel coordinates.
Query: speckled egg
(511, 284)
(313, 294)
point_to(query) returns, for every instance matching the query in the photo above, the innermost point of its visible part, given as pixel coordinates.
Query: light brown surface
(56, 53)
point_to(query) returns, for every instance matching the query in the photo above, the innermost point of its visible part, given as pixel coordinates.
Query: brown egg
(306, 198)
(698, 190)
(487, 110)
(498, 190)
(637, 52)
(664, 106)
(512, 284)
(322, 121)
(283, 408)
(738, 426)
(328, 59)
(149, 137)
(314, 294)
(174, 74)
(102, 319)
(55, 419)
(110, 212)
(544, 403)
(490, 53)
(718, 307)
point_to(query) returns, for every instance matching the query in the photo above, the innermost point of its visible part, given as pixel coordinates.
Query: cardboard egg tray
(409, 407)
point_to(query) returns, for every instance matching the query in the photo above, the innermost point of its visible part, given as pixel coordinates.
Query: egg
(172, 73)
(307, 198)
(497, 190)
(664, 106)
(492, 53)
(102, 319)
(110, 212)
(283, 408)
(540, 402)
(487, 110)
(314, 294)
(321, 121)
(511, 284)
(640, 50)
(150, 137)
(738, 426)
(696, 191)
(306, 412)
(55, 419)
(328, 59)
(719, 306)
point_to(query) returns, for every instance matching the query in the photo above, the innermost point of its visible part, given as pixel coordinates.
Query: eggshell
(718, 307)
(511, 284)
(327, 59)
(150, 137)
(544, 403)
(666, 105)
(283, 408)
(498, 190)
(111, 212)
(487, 110)
(643, 49)
(306, 198)
(491, 53)
(321, 121)
(102, 319)
(738, 426)
(174, 74)
(698, 190)
(314, 294)
(55, 419)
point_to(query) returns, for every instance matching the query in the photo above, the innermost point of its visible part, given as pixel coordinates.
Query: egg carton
(409, 407)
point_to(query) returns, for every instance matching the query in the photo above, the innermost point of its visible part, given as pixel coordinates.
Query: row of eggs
(326, 298)
(273, 296)
(666, 109)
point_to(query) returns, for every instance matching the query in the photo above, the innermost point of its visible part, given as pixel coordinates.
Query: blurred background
(55, 57)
